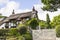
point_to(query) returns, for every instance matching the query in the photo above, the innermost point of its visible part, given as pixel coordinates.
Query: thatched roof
(18, 16)
(14, 16)
(2, 20)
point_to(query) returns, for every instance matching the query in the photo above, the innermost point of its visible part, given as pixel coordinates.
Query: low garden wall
(44, 34)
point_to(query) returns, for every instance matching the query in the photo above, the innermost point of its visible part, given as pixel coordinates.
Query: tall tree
(51, 5)
(55, 21)
(48, 21)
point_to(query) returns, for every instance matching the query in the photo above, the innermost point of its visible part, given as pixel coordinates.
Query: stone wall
(44, 34)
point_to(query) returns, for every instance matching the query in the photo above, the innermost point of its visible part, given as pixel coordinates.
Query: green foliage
(55, 21)
(3, 32)
(58, 30)
(45, 1)
(48, 21)
(47, 18)
(22, 30)
(56, 24)
(42, 24)
(20, 38)
(27, 36)
(7, 32)
(20, 25)
(13, 31)
(51, 5)
(2, 16)
(33, 23)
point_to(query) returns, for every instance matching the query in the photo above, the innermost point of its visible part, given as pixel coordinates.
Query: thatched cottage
(14, 19)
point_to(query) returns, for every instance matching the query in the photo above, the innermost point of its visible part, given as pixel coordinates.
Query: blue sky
(24, 4)
(7, 6)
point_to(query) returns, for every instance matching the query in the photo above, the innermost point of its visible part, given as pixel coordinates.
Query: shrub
(28, 36)
(13, 31)
(20, 38)
(58, 31)
(42, 24)
(3, 32)
(22, 30)
(33, 23)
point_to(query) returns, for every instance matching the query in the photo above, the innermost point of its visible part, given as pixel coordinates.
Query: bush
(43, 24)
(13, 31)
(20, 38)
(58, 31)
(33, 23)
(28, 36)
(3, 32)
(22, 30)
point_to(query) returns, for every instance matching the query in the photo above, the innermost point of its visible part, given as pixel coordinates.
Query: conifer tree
(48, 21)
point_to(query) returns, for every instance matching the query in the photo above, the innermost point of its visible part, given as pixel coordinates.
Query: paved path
(57, 38)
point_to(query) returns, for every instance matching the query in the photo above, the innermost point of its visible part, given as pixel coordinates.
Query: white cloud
(3, 2)
(21, 11)
(7, 10)
(12, 5)
(41, 14)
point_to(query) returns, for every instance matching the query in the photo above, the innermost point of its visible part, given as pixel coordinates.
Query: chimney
(13, 12)
(33, 9)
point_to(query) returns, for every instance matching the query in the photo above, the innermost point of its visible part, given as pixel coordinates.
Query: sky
(24, 4)
(7, 6)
